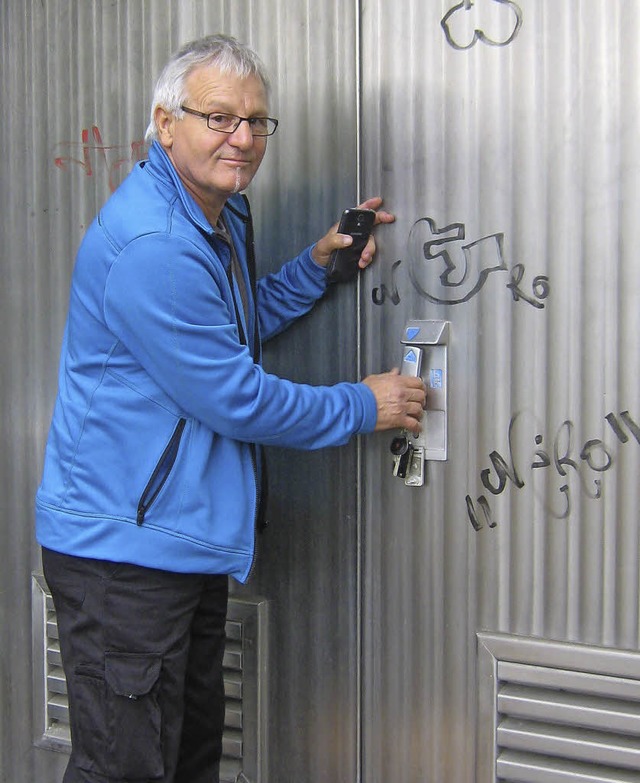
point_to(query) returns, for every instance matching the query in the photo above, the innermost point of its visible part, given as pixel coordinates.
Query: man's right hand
(400, 399)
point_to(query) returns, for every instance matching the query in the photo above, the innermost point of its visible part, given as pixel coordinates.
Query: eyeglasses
(229, 123)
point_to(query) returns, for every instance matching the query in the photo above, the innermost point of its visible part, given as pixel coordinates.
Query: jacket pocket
(160, 473)
(134, 725)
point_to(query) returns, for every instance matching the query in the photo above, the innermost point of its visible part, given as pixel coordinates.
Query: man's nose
(242, 135)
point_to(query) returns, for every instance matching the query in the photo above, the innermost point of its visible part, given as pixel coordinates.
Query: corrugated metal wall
(520, 122)
(512, 129)
(76, 88)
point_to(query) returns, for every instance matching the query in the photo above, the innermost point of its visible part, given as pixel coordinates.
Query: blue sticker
(435, 379)
(413, 332)
(411, 356)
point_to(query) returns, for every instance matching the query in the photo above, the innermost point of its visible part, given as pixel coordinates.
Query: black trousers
(142, 653)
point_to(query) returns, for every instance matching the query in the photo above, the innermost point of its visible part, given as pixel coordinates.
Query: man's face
(211, 164)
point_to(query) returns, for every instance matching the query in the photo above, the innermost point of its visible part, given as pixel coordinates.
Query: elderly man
(151, 490)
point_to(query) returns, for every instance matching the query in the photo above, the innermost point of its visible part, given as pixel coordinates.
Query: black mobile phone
(358, 223)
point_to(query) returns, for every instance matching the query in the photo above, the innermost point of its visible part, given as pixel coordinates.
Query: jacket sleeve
(166, 301)
(291, 292)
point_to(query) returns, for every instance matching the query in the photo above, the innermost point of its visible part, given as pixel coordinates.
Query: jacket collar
(163, 169)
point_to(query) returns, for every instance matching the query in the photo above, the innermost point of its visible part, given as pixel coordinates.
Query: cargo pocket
(134, 724)
(88, 730)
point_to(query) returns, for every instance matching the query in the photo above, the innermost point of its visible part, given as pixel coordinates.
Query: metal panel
(519, 769)
(76, 86)
(512, 127)
(554, 711)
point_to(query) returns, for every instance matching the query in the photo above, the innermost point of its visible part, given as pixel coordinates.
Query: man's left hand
(333, 241)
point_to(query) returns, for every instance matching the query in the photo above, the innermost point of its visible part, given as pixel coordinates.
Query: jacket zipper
(259, 523)
(161, 472)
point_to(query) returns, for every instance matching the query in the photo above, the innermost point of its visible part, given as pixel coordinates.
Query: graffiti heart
(491, 22)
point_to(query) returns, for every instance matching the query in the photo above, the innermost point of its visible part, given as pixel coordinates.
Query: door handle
(424, 355)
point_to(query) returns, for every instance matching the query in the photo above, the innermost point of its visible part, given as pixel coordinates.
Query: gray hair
(221, 51)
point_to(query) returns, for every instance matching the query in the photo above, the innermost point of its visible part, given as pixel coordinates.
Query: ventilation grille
(560, 713)
(243, 741)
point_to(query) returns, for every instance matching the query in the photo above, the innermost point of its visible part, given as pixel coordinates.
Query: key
(402, 452)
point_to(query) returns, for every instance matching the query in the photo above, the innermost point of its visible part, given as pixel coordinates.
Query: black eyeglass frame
(248, 120)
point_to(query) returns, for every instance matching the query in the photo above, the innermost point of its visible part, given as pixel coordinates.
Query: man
(151, 487)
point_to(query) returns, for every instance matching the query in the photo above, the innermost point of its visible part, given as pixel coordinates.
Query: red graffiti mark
(96, 155)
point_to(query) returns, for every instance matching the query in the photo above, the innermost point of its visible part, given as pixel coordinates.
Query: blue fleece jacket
(149, 456)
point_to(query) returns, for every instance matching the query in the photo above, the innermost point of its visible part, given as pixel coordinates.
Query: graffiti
(94, 156)
(382, 293)
(457, 272)
(540, 287)
(467, 22)
(589, 463)
(444, 269)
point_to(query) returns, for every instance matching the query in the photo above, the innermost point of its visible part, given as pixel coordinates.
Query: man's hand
(400, 399)
(333, 241)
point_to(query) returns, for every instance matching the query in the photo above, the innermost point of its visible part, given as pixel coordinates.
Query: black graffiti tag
(563, 457)
(445, 269)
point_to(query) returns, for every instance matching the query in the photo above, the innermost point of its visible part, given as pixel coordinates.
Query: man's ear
(165, 123)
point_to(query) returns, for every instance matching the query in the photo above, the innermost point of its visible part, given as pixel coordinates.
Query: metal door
(76, 88)
(501, 599)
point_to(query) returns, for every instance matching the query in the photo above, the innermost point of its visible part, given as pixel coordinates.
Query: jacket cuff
(319, 272)
(369, 409)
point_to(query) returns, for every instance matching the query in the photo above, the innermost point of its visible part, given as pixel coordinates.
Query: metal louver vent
(557, 712)
(244, 660)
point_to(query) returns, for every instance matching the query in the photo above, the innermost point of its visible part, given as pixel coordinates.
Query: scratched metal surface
(76, 87)
(526, 135)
